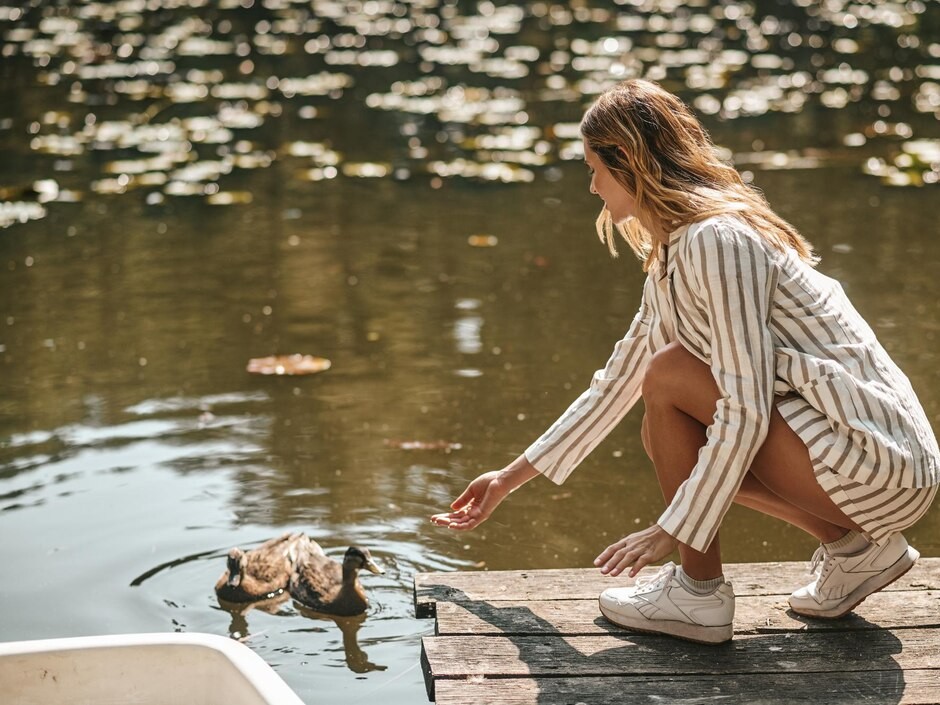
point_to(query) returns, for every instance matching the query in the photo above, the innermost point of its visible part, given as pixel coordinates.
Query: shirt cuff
(675, 522)
(544, 465)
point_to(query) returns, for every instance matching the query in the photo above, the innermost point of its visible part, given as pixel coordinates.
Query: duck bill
(371, 566)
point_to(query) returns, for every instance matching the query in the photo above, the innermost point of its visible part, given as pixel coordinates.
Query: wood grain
(588, 583)
(753, 615)
(889, 687)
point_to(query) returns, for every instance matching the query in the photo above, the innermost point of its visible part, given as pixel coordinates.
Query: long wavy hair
(658, 150)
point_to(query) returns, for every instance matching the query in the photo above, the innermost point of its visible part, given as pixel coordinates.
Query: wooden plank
(626, 655)
(882, 687)
(585, 584)
(759, 614)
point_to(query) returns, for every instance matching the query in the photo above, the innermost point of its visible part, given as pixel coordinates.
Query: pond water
(186, 185)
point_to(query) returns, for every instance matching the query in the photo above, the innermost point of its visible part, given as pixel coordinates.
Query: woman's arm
(614, 389)
(612, 393)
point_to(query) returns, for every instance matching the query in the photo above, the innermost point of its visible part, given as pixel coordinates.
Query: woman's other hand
(636, 551)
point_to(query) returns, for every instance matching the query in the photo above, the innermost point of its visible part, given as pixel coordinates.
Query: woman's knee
(666, 371)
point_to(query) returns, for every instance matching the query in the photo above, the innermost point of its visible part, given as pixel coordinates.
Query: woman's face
(618, 201)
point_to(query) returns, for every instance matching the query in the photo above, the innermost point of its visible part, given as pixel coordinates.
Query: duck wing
(268, 567)
(316, 578)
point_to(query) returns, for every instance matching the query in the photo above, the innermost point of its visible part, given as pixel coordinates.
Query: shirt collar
(668, 256)
(676, 235)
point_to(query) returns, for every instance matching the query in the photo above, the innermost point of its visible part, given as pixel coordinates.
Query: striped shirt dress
(773, 330)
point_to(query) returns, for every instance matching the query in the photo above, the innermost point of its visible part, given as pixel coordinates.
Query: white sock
(853, 542)
(699, 587)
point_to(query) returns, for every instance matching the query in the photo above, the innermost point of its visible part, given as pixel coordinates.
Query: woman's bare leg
(681, 395)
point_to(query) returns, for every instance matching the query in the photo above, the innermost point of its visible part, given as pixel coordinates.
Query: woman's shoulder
(722, 232)
(721, 226)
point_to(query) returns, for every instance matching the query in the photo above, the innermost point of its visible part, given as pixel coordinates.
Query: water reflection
(181, 91)
(357, 660)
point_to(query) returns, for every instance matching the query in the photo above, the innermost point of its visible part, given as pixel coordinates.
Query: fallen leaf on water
(423, 445)
(227, 198)
(482, 241)
(288, 365)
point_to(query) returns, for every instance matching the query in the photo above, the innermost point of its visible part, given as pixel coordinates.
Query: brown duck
(261, 573)
(321, 584)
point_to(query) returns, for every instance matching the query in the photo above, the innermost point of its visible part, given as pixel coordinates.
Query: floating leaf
(366, 170)
(227, 198)
(318, 84)
(482, 241)
(446, 446)
(288, 365)
(19, 212)
(319, 173)
(492, 171)
(927, 151)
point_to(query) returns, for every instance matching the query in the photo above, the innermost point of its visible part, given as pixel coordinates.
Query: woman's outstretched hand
(475, 505)
(636, 551)
(484, 494)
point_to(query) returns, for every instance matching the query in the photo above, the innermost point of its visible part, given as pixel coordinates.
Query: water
(134, 447)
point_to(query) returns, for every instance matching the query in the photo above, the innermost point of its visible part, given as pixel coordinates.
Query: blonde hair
(657, 149)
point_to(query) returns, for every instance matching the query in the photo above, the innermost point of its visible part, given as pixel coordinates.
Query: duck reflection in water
(293, 565)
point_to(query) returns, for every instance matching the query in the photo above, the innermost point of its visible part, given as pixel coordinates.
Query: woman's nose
(591, 188)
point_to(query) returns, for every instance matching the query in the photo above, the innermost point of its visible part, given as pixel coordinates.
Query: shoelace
(648, 583)
(821, 556)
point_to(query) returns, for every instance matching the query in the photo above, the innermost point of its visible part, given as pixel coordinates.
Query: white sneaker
(660, 604)
(842, 582)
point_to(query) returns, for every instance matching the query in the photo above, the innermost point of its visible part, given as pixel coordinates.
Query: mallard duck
(261, 573)
(321, 584)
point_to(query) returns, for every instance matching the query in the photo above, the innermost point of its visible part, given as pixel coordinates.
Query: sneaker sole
(869, 587)
(681, 630)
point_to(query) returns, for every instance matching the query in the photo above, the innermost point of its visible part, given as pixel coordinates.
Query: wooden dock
(527, 637)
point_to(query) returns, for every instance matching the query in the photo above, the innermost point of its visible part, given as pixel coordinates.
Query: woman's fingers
(467, 517)
(619, 561)
(635, 552)
(609, 551)
(464, 521)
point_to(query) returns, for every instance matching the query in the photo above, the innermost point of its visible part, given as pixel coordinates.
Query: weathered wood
(643, 654)
(758, 614)
(887, 687)
(515, 637)
(588, 583)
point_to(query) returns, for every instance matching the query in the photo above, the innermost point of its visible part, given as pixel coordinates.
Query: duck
(260, 574)
(324, 585)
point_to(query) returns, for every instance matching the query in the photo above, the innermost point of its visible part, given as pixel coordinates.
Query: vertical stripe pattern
(765, 323)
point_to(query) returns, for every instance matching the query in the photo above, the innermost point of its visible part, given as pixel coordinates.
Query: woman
(762, 385)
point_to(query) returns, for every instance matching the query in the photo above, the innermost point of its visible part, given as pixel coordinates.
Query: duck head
(234, 569)
(358, 558)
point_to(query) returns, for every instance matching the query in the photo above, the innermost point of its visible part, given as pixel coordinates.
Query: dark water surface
(222, 193)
